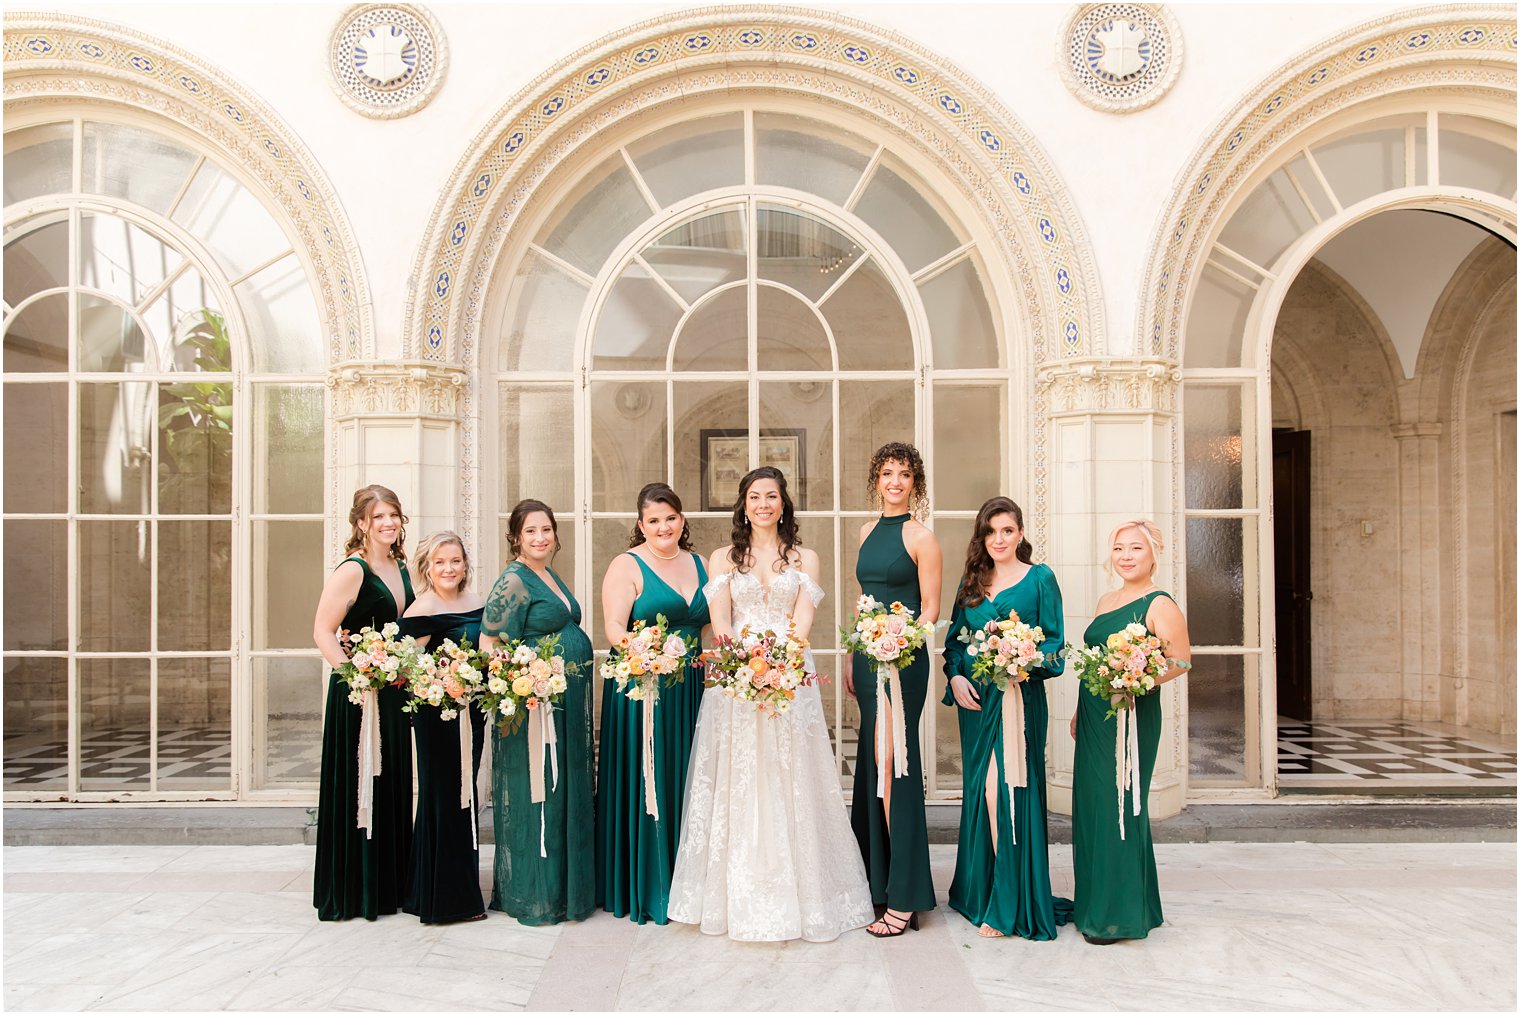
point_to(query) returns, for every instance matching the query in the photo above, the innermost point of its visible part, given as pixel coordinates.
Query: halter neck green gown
(445, 857)
(635, 854)
(1008, 890)
(561, 886)
(358, 875)
(897, 864)
(1116, 891)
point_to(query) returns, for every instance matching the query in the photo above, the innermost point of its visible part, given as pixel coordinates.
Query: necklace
(657, 553)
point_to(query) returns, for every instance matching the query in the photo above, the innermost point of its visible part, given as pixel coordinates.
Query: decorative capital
(1107, 385)
(399, 388)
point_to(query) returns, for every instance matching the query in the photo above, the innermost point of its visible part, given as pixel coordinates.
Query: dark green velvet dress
(561, 886)
(445, 857)
(359, 875)
(635, 854)
(1008, 890)
(1116, 891)
(897, 865)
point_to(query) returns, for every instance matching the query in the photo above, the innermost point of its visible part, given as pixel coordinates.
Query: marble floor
(1292, 926)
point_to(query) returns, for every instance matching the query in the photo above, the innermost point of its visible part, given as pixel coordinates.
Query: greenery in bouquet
(520, 677)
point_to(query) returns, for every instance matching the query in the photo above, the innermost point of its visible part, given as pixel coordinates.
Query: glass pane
(797, 437)
(707, 534)
(195, 724)
(283, 322)
(1212, 445)
(537, 444)
(698, 256)
(1363, 165)
(1217, 717)
(602, 210)
(189, 331)
(1477, 153)
(960, 319)
(635, 325)
(692, 157)
(609, 537)
(818, 535)
(869, 323)
(134, 165)
(716, 334)
(195, 586)
(545, 309)
(804, 154)
(110, 338)
(1270, 218)
(225, 216)
(115, 586)
(871, 413)
(1301, 172)
(799, 251)
(790, 336)
(711, 441)
(954, 536)
(289, 565)
(36, 447)
(195, 448)
(115, 712)
(1217, 323)
(288, 428)
(38, 160)
(37, 582)
(289, 693)
(122, 260)
(893, 205)
(37, 338)
(627, 442)
(115, 444)
(970, 436)
(36, 723)
(1216, 581)
(36, 261)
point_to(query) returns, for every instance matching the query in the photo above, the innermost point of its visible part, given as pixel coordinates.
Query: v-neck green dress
(1007, 889)
(1116, 891)
(635, 853)
(561, 885)
(359, 875)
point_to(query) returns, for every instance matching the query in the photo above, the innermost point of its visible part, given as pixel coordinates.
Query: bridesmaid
(359, 873)
(1116, 892)
(659, 574)
(544, 852)
(899, 562)
(445, 856)
(1002, 863)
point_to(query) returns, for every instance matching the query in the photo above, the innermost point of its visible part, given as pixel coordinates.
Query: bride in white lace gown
(766, 852)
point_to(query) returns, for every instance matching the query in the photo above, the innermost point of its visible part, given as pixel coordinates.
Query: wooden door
(1290, 499)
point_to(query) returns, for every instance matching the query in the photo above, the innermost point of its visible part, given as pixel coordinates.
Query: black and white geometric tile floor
(1364, 753)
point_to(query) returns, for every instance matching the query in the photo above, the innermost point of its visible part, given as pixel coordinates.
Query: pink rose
(675, 647)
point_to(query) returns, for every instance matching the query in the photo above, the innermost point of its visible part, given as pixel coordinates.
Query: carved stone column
(1112, 441)
(1420, 577)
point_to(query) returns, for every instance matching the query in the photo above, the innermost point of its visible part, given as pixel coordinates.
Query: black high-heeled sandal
(894, 929)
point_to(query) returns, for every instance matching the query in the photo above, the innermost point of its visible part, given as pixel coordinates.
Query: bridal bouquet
(447, 678)
(375, 658)
(648, 653)
(521, 678)
(765, 668)
(1002, 651)
(891, 636)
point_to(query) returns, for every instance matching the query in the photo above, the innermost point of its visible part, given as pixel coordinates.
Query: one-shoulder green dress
(536, 888)
(359, 875)
(1116, 891)
(897, 864)
(1007, 889)
(635, 853)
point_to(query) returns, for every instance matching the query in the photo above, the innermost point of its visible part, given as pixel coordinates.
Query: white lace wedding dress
(766, 850)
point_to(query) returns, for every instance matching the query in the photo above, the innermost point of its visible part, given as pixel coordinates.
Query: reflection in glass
(972, 420)
(290, 564)
(37, 260)
(604, 208)
(195, 724)
(818, 535)
(711, 453)
(288, 691)
(283, 322)
(288, 423)
(1212, 445)
(698, 256)
(1217, 715)
(36, 723)
(1217, 324)
(627, 441)
(36, 447)
(1216, 581)
(871, 413)
(954, 536)
(609, 537)
(230, 221)
(195, 586)
(37, 583)
(134, 165)
(715, 336)
(545, 307)
(1267, 222)
(802, 252)
(115, 586)
(38, 160)
(960, 320)
(183, 322)
(637, 320)
(869, 323)
(893, 205)
(806, 155)
(790, 335)
(195, 448)
(116, 423)
(797, 437)
(691, 157)
(115, 724)
(37, 337)
(537, 438)
(122, 260)
(110, 338)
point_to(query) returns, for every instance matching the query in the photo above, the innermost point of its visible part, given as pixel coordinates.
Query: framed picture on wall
(725, 460)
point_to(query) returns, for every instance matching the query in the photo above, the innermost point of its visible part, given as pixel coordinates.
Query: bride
(766, 850)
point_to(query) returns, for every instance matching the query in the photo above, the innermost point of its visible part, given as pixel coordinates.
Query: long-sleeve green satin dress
(359, 875)
(445, 856)
(897, 863)
(635, 853)
(545, 852)
(1007, 889)
(1116, 891)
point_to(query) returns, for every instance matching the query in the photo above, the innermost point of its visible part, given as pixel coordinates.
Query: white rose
(507, 707)
(1135, 630)
(390, 630)
(523, 655)
(360, 659)
(557, 684)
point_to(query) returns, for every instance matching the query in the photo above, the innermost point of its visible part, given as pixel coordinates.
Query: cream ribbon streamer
(369, 761)
(1127, 760)
(890, 679)
(651, 800)
(541, 737)
(467, 770)
(1015, 748)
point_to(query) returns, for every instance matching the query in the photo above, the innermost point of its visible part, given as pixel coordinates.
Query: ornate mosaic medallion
(1120, 57)
(387, 60)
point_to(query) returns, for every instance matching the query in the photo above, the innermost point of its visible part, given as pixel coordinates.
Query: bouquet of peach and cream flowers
(887, 634)
(1003, 651)
(447, 678)
(521, 677)
(1125, 667)
(763, 667)
(647, 658)
(375, 658)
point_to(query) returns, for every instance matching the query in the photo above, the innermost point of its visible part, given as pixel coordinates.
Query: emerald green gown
(635, 854)
(445, 856)
(561, 886)
(1116, 891)
(1008, 890)
(897, 864)
(359, 875)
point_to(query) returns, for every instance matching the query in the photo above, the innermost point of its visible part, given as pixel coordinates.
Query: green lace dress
(536, 888)
(359, 875)
(1116, 891)
(1009, 889)
(897, 864)
(635, 853)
